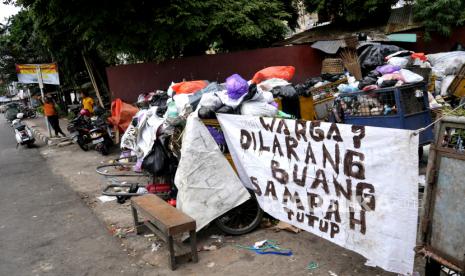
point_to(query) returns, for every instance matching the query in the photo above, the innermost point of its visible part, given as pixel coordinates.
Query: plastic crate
(403, 107)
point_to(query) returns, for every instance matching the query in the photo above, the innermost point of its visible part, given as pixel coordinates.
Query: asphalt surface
(45, 228)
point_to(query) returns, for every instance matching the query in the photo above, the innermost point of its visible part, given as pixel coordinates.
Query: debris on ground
(286, 226)
(312, 266)
(155, 246)
(214, 245)
(211, 264)
(266, 247)
(105, 198)
(266, 223)
(209, 248)
(121, 232)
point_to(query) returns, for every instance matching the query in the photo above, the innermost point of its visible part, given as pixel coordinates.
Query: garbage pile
(153, 135)
(387, 66)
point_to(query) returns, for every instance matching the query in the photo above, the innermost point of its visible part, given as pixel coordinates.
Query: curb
(49, 142)
(38, 135)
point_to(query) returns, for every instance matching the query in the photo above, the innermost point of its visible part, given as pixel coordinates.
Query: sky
(6, 11)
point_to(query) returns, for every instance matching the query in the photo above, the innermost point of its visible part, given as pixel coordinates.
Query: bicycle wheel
(119, 169)
(242, 219)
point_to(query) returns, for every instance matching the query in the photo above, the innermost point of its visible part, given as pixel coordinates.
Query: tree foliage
(351, 11)
(108, 32)
(440, 15)
(19, 44)
(156, 30)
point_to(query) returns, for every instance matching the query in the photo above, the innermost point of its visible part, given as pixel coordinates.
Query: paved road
(45, 229)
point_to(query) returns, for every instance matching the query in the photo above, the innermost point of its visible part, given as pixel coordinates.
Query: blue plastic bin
(409, 104)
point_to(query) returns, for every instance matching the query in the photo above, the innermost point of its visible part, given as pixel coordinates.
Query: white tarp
(207, 185)
(355, 186)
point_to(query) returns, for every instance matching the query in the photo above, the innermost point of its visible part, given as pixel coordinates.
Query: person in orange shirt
(52, 116)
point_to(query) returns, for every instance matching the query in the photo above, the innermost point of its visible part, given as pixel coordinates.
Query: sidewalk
(39, 129)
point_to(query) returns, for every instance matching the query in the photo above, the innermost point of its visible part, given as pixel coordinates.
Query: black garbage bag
(366, 81)
(302, 88)
(159, 99)
(388, 83)
(207, 113)
(331, 77)
(161, 110)
(135, 121)
(285, 91)
(251, 93)
(226, 109)
(374, 74)
(291, 106)
(157, 161)
(373, 56)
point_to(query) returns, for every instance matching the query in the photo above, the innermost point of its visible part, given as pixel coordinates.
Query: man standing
(52, 116)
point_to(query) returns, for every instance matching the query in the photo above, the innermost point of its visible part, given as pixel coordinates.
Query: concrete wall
(128, 81)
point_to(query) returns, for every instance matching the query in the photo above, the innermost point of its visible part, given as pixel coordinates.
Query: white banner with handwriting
(353, 185)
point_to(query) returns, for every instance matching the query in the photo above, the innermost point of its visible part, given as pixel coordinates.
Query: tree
(157, 30)
(440, 15)
(105, 31)
(351, 11)
(19, 44)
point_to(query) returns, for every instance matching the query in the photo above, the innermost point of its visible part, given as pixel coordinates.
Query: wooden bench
(165, 221)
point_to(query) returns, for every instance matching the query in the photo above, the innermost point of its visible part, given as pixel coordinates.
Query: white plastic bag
(170, 89)
(409, 76)
(446, 82)
(268, 97)
(234, 103)
(448, 63)
(268, 85)
(210, 100)
(258, 109)
(398, 61)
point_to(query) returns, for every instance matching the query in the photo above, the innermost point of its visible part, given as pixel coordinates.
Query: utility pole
(41, 86)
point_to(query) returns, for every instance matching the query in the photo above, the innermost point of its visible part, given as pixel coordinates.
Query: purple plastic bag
(387, 69)
(217, 135)
(236, 86)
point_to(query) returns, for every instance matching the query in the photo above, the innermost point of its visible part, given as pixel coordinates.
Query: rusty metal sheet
(448, 220)
(128, 81)
(443, 220)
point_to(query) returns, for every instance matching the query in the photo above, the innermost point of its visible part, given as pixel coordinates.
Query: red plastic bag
(280, 72)
(420, 56)
(187, 87)
(121, 114)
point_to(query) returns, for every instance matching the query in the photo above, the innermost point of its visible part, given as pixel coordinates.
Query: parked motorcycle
(101, 135)
(11, 112)
(23, 133)
(28, 112)
(89, 131)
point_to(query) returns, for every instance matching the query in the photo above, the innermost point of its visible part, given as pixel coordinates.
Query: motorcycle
(89, 131)
(12, 110)
(23, 133)
(28, 112)
(101, 135)
(79, 129)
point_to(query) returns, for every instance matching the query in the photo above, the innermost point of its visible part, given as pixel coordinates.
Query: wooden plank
(165, 216)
